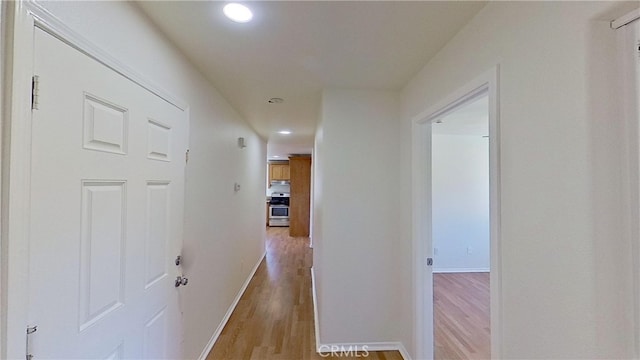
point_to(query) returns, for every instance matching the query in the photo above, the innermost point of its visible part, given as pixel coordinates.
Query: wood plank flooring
(274, 318)
(461, 316)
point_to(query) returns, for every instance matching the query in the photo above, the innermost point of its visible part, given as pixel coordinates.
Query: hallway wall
(221, 243)
(460, 200)
(566, 260)
(356, 156)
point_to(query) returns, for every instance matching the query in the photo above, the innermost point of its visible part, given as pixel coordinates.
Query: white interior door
(107, 193)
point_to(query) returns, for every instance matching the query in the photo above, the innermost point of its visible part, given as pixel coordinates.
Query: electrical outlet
(469, 250)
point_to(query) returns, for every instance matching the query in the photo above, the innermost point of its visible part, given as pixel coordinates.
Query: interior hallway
(274, 318)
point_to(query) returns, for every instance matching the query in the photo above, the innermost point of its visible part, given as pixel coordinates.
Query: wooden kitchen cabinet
(299, 208)
(279, 172)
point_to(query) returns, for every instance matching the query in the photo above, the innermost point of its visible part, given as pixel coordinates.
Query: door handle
(180, 280)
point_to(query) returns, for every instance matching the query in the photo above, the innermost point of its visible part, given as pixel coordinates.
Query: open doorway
(460, 214)
(485, 87)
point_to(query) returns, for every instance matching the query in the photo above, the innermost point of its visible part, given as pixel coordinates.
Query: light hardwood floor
(274, 318)
(461, 316)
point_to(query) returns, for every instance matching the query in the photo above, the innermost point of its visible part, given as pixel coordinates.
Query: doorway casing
(485, 84)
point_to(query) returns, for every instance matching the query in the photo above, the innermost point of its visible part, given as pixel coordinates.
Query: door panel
(107, 193)
(101, 247)
(156, 235)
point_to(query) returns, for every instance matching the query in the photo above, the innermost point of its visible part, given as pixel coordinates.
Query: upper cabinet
(278, 172)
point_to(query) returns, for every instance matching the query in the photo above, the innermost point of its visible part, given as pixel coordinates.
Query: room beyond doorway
(289, 194)
(461, 232)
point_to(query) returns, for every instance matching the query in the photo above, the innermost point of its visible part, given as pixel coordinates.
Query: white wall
(221, 243)
(3, 170)
(629, 76)
(317, 195)
(566, 282)
(460, 202)
(356, 216)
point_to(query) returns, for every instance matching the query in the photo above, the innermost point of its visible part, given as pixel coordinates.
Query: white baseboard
(403, 351)
(360, 347)
(226, 317)
(314, 295)
(459, 270)
(377, 346)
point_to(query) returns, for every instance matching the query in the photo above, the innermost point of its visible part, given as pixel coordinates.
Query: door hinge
(186, 157)
(35, 92)
(429, 261)
(30, 331)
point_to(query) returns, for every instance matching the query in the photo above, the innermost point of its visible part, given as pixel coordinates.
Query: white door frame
(629, 81)
(486, 83)
(22, 18)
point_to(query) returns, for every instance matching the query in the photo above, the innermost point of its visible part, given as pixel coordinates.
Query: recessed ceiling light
(284, 132)
(276, 156)
(238, 12)
(276, 101)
